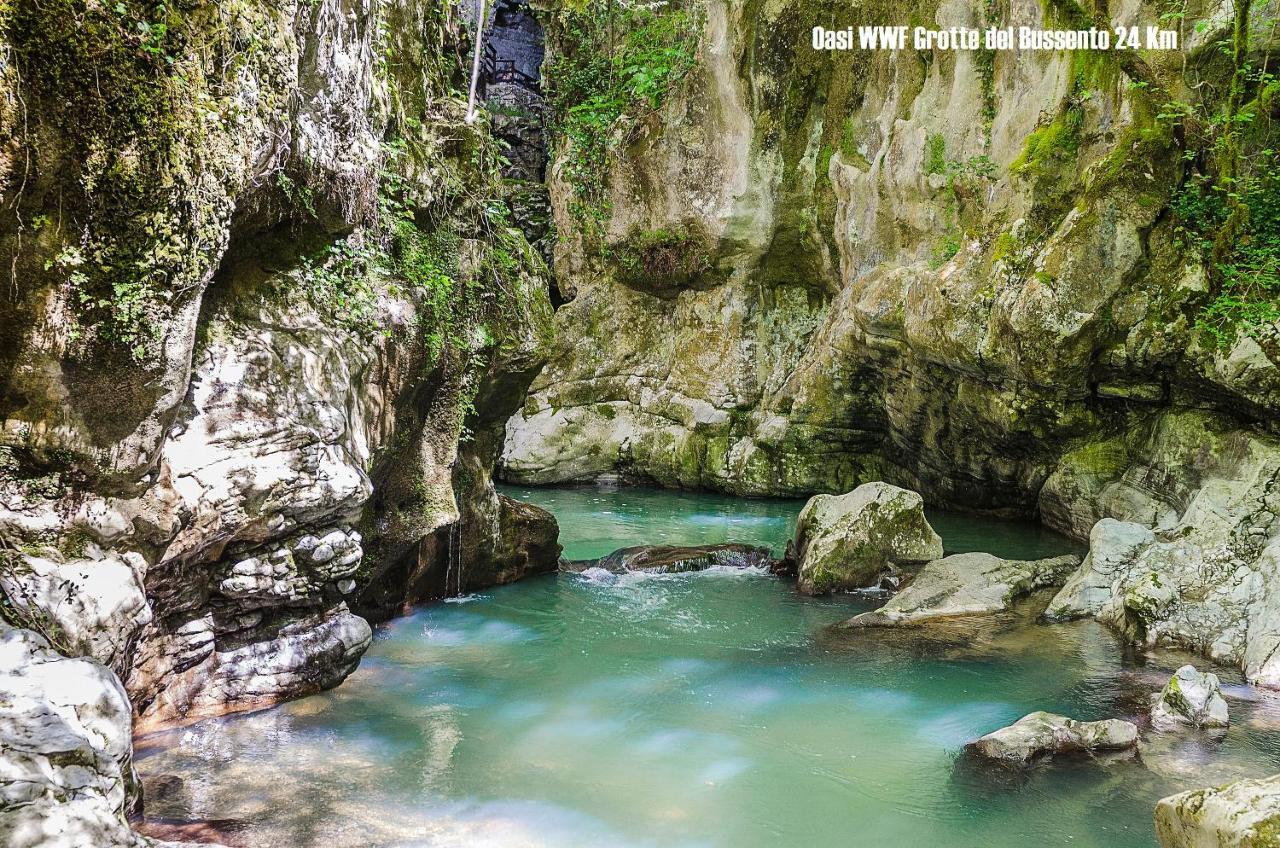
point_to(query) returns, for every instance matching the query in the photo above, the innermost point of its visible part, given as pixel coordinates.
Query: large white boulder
(847, 541)
(1245, 814)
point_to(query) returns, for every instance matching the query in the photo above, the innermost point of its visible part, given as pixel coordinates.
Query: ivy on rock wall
(617, 62)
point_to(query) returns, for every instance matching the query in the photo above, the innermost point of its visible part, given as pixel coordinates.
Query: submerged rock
(848, 541)
(675, 559)
(967, 584)
(1042, 734)
(1191, 697)
(1245, 814)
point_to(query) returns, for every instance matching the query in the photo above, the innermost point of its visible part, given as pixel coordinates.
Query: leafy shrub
(616, 59)
(662, 258)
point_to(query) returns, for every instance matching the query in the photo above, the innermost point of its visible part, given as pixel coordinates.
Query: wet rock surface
(1041, 734)
(967, 584)
(676, 559)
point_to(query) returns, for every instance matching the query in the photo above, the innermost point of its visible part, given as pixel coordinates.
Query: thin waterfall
(455, 556)
(475, 63)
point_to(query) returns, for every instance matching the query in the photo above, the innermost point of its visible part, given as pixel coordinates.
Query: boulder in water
(1042, 734)
(1244, 814)
(967, 584)
(1190, 697)
(848, 541)
(676, 559)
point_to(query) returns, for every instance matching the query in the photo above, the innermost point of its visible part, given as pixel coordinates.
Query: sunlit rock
(1042, 734)
(1245, 814)
(1191, 697)
(967, 584)
(848, 541)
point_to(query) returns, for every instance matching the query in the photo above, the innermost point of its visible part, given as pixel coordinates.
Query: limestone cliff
(259, 277)
(957, 271)
(983, 275)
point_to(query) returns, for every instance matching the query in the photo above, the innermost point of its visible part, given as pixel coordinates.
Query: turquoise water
(598, 521)
(713, 709)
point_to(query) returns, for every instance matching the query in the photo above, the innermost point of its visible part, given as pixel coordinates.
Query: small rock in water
(1245, 814)
(1190, 697)
(675, 559)
(1042, 734)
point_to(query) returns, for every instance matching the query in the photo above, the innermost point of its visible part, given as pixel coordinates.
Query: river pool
(711, 709)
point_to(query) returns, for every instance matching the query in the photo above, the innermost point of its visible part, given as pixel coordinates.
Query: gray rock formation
(847, 542)
(1040, 734)
(1190, 697)
(1208, 584)
(66, 749)
(677, 559)
(1245, 814)
(966, 584)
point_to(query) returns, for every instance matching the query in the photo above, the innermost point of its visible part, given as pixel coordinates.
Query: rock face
(1208, 584)
(676, 559)
(902, 282)
(1042, 734)
(66, 749)
(967, 584)
(847, 542)
(1190, 697)
(239, 357)
(1245, 814)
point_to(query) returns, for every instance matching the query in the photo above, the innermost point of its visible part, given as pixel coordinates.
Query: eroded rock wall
(258, 271)
(953, 271)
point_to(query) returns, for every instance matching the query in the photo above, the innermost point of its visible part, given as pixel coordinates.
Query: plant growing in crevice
(662, 258)
(616, 60)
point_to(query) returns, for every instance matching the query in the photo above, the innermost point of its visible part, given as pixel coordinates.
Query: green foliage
(108, 79)
(944, 248)
(617, 59)
(1246, 297)
(935, 154)
(1228, 208)
(663, 257)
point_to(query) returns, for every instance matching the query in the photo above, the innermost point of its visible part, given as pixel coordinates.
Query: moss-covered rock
(849, 541)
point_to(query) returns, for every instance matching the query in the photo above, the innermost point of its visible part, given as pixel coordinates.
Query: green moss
(662, 258)
(1053, 146)
(935, 154)
(1266, 833)
(1004, 246)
